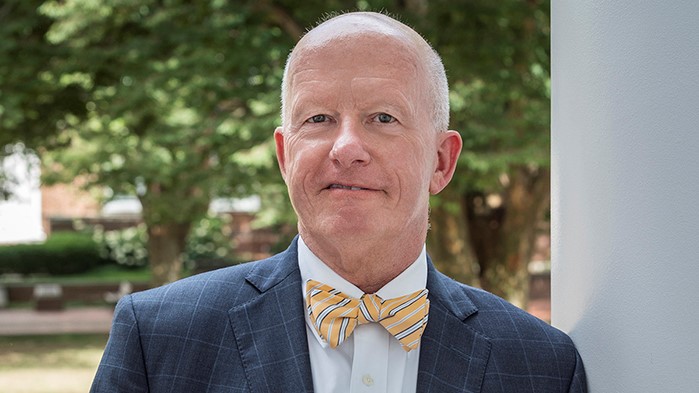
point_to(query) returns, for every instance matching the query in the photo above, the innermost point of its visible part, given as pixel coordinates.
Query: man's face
(358, 150)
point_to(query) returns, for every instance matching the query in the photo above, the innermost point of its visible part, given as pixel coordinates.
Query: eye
(385, 118)
(318, 119)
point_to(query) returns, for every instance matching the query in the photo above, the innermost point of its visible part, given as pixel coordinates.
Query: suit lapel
(274, 351)
(270, 329)
(453, 357)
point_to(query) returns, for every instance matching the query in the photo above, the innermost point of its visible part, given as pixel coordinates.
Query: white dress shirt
(371, 359)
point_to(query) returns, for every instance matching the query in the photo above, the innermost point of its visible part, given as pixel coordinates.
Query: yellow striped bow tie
(335, 315)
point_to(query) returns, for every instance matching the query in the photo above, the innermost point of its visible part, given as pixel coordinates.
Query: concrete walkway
(74, 320)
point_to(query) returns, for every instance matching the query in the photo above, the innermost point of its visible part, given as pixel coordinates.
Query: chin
(348, 227)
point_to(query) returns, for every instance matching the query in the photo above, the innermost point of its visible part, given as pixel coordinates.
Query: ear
(279, 147)
(448, 149)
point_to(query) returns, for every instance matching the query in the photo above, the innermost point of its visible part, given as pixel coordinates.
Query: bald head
(344, 28)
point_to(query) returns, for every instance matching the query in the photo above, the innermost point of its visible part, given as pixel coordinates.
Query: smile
(343, 187)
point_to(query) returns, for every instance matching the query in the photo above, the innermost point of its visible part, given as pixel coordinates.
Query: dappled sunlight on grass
(47, 380)
(49, 364)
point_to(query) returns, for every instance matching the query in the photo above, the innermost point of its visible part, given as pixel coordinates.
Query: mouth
(345, 187)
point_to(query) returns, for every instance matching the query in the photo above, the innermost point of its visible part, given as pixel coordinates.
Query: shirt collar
(412, 279)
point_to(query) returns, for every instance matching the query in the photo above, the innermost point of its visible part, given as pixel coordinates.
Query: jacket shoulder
(488, 314)
(523, 345)
(497, 319)
(214, 291)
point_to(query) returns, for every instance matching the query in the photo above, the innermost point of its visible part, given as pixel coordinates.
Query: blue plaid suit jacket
(242, 329)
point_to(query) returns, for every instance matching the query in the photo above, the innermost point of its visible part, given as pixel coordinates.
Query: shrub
(209, 240)
(61, 253)
(126, 247)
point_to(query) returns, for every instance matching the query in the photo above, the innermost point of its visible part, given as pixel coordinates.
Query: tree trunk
(448, 239)
(166, 243)
(505, 237)
(169, 214)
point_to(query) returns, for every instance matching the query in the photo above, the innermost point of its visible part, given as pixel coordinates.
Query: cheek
(294, 155)
(303, 159)
(418, 160)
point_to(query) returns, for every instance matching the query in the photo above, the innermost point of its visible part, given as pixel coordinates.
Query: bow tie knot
(335, 314)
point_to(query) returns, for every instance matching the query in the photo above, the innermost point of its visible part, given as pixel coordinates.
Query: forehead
(372, 54)
(360, 57)
(367, 72)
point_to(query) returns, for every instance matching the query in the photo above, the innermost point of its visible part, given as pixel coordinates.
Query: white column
(625, 192)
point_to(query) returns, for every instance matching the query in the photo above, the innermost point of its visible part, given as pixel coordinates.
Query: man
(354, 304)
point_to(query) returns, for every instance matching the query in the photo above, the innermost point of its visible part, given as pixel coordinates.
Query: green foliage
(126, 247)
(164, 100)
(108, 273)
(497, 59)
(62, 253)
(173, 95)
(209, 240)
(30, 103)
(176, 101)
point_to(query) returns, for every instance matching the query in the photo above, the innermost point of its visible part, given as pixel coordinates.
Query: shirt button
(367, 380)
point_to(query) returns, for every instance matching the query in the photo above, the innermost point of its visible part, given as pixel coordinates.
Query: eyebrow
(301, 101)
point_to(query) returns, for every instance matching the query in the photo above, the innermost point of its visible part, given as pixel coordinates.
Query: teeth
(352, 188)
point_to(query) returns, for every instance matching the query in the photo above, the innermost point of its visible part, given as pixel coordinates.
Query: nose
(349, 147)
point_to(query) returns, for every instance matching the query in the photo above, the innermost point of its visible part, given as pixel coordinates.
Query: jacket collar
(270, 329)
(453, 357)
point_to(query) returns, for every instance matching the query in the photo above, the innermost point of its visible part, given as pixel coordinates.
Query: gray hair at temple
(438, 87)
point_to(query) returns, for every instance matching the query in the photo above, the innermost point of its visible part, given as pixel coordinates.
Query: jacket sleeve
(122, 368)
(578, 383)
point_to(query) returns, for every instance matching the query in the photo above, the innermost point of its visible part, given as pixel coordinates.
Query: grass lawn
(102, 274)
(49, 364)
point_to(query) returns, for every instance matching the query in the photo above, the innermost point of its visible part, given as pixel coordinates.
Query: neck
(368, 264)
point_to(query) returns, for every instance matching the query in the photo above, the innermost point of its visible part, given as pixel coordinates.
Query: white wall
(625, 192)
(20, 217)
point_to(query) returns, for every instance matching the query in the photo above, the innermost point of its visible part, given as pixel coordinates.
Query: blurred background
(136, 148)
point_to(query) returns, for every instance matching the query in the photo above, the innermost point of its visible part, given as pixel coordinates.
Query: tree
(29, 103)
(176, 101)
(496, 55)
(177, 98)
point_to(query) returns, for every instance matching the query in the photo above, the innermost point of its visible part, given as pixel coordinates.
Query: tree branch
(283, 18)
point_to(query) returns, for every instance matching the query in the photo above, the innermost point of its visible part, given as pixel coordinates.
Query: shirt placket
(370, 363)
